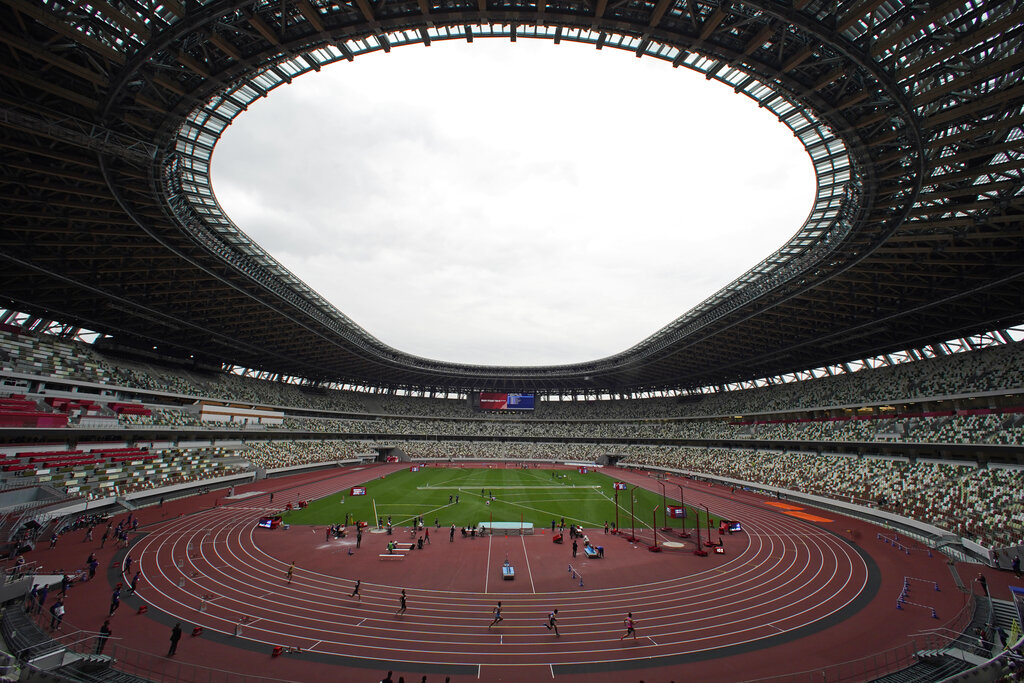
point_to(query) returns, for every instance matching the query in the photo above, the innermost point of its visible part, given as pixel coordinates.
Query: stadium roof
(912, 114)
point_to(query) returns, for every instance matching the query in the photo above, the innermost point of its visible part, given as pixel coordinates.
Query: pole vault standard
(700, 552)
(708, 542)
(664, 508)
(654, 527)
(684, 533)
(632, 531)
(616, 509)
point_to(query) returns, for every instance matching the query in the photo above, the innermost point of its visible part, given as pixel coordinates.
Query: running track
(790, 576)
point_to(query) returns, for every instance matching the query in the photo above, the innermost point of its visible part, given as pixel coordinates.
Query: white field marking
(507, 488)
(487, 568)
(533, 589)
(552, 667)
(538, 501)
(651, 639)
(441, 484)
(642, 523)
(776, 628)
(314, 645)
(432, 511)
(547, 512)
(361, 621)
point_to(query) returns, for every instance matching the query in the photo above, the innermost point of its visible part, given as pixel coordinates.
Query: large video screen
(496, 401)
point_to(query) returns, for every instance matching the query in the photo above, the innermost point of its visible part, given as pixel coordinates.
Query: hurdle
(905, 591)
(900, 545)
(574, 574)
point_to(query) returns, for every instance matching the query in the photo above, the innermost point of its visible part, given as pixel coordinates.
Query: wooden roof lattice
(911, 114)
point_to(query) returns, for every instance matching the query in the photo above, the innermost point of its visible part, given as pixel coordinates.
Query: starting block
(197, 631)
(276, 652)
(719, 551)
(143, 609)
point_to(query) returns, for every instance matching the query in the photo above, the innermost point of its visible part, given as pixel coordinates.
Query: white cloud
(512, 204)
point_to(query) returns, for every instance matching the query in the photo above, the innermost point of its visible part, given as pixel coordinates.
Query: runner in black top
(553, 622)
(497, 615)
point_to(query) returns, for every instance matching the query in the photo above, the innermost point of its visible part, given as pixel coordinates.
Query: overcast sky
(512, 203)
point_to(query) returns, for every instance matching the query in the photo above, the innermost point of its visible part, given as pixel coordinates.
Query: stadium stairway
(925, 672)
(1004, 613)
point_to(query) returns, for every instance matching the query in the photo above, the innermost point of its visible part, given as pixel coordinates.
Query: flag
(676, 512)
(619, 486)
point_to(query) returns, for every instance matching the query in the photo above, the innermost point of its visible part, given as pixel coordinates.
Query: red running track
(782, 579)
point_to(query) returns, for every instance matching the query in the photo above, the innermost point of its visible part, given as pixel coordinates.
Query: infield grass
(530, 495)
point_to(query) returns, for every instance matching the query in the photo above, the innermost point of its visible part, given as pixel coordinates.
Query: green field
(530, 495)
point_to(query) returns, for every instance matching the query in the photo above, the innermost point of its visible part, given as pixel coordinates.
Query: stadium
(852, 403)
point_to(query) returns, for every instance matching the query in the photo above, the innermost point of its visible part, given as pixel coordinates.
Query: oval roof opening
(512, 204)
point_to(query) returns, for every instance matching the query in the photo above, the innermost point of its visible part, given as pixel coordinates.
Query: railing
(146, 665)
(12, 574)
(39, 513)
(887, 661)
(856, 670)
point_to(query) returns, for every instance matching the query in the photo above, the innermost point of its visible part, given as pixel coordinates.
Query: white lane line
(257, 558)
(529, 573)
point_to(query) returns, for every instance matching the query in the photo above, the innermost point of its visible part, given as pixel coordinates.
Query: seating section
(983, 504)
(18, 411)
(987, 370)
(973, 398)
(35, 354)
(289, 453)
(115, 470)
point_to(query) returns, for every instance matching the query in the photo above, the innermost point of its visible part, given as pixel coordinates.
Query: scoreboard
(502, 401)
